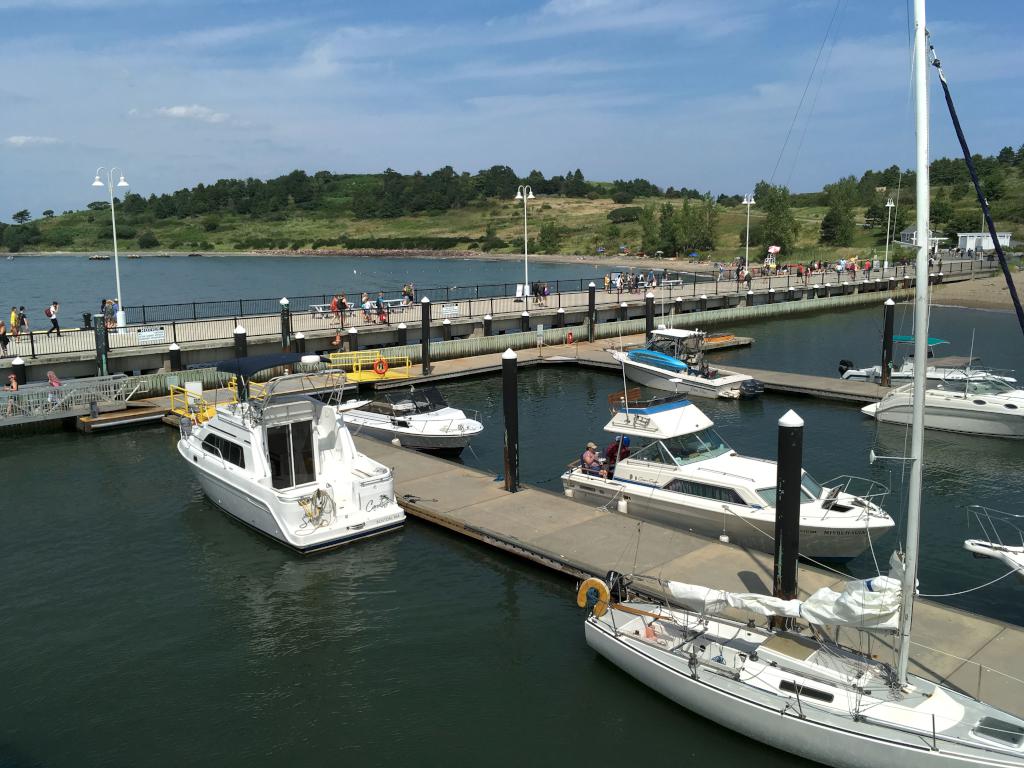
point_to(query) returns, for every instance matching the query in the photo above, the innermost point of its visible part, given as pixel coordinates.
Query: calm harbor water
(79, 284)
(142, 627)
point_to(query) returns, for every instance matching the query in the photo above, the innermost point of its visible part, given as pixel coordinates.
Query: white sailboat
(800, 691)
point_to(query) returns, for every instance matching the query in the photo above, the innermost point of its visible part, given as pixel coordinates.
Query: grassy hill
(333, 220)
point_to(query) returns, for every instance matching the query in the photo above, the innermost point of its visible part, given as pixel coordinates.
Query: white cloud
(193, 112)
(31, 141)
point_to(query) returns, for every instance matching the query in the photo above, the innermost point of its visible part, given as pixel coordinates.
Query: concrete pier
(959, 649)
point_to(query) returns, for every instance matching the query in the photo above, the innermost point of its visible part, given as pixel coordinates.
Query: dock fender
(844, 366)
(593, 594)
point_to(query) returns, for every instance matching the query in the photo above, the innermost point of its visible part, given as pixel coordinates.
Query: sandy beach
(982, 293)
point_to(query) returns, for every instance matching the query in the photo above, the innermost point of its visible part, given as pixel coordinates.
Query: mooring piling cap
(591, 285)
(648, 295)
(703, 296)
(239, 330)
(300, 335)
(353, 329)
(446, 321)
(890, 303)
(508, 354)
(487, 317)
(424, 300)
(402, 326)
(174, 347)
(791, 419)
(284, 301)
(17, 361)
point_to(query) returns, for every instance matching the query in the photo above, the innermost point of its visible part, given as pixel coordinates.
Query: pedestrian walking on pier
(14, 322)
(22, 321)
(51, 313)
(3, 339)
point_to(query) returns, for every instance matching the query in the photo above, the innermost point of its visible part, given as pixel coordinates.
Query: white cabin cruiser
(681, 474)
(987, 407)
(992, 521)
(418, 417)
(673, 361)
(285, 465)
(949, 368)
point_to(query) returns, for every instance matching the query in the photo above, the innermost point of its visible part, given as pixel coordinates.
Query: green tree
(148, 240)
(778, 227)
(649, 232)
(838, 227)
(22, 216)
(550, 237)
(48, 213)
(668, 230)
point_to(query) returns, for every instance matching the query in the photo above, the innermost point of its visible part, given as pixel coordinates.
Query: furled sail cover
(871, 604)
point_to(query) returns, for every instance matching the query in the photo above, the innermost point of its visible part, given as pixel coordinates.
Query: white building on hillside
(980, 241)
(908, 239)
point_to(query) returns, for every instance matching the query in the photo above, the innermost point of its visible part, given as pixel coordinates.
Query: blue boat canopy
(909, 339)
(245, 367)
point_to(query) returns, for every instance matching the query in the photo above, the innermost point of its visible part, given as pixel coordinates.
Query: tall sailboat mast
(920, 339)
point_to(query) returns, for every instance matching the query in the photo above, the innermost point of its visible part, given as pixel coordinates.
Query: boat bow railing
(861, 492)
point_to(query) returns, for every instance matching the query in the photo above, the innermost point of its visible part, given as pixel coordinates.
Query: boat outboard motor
(617, 586)
(844, 366)
(751, 388)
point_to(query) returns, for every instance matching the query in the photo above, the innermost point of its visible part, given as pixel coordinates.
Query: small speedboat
(681, 474)
(995, 525)
(988, 407)
(283, 464)
(673, 361)
(418, 417)
(949, 368)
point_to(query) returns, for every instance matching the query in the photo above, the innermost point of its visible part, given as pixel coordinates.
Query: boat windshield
(988, 387)
(685, 449)
(811, 491)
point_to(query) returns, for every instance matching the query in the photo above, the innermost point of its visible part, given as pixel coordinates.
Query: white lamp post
(525, 193)
(889, 205)
(122, 184)
(748, 200)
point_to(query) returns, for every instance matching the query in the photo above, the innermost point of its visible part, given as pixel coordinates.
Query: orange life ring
(568, 338)
(380, 366)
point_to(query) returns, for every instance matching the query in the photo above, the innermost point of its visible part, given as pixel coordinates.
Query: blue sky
(696, 93)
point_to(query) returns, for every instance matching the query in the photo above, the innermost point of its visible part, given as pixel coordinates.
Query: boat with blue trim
(683, 475)
(673, 361)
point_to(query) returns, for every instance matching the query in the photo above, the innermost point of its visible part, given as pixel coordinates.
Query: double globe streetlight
(525, 193)
(122, 184)
(748, 200)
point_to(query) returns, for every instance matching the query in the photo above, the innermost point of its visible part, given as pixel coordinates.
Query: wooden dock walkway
(961, 649)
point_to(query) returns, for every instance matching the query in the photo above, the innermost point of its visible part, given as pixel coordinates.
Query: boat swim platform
(595, 355)
(951, 646)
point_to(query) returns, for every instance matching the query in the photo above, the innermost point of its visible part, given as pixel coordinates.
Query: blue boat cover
(909, 339)
(245, 367)
(657, 359)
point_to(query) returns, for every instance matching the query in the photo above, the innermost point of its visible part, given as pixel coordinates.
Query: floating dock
(959, 649)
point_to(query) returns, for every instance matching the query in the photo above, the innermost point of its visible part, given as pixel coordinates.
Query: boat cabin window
(705, 491)
(655, 452)
(684, 449)
(810, 490)
(225, 449)
(1000, 731)
(290, 452)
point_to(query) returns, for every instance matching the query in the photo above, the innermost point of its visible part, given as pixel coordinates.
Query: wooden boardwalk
(578, 540)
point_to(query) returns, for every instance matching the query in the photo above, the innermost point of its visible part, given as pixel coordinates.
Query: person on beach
(3, 339)
(51, 314)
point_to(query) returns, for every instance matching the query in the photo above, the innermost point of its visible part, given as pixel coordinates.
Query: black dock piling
(241, 345)
(887, 326)
(425, 335)
(787, 508)
(18, 369)
(174, 353)
(648, 315)
(286, 324)
(591, 310)
(300, 343)
(403, 334)
(510, 402)
(446, 329)
(524, 322)
(488, 325)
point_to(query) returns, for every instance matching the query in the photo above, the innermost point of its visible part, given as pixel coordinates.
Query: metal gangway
(39, 401)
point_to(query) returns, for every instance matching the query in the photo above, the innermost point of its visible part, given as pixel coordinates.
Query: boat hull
(447, 443)
(681, 383)
(819, 542)
(764, 718)
(950, 416)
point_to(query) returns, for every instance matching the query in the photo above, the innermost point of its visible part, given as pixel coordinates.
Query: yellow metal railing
(256, 391)
(371, 365)
(190, 405)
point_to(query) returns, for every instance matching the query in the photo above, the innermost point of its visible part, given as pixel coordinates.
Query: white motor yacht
(682, 474)
(988, 407)
(995, 525)
(418, 418)
(949, 368)
(673, 361)
(285, 465)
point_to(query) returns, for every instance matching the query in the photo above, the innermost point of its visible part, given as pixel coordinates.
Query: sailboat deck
(954, 647)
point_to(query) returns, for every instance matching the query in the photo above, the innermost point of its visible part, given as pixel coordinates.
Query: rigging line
(975, 589)
(817, 90)
(977, 188)
(807, 85)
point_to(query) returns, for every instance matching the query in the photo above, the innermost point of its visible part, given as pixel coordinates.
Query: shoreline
(610, 261)
(988, 293)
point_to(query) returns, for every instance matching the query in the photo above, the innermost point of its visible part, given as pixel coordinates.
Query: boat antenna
(977, 189)
(920, 343)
